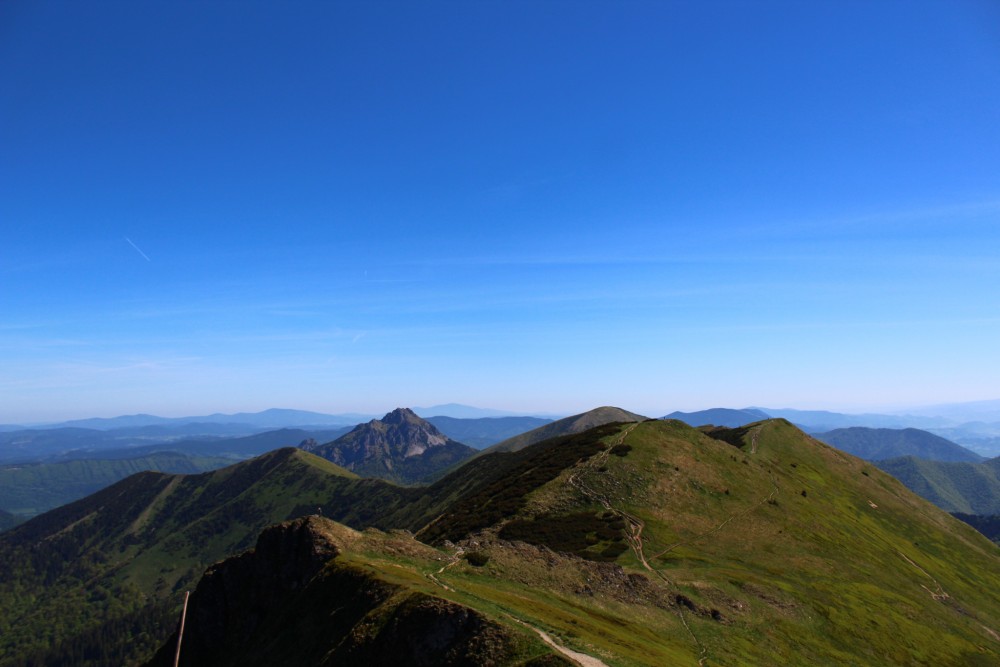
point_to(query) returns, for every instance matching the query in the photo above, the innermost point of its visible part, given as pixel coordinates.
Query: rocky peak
(400, 447)
(400, 434)
(401, 416)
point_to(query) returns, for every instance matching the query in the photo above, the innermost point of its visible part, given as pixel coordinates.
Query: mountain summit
(573, 424)
(400, 447)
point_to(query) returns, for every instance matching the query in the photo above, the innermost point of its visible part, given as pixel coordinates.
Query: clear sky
(532, 206)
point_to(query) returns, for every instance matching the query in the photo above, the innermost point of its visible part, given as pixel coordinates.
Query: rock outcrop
(400, 447)
(289, 602)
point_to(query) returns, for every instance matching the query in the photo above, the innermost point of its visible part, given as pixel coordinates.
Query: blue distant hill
(719, 417)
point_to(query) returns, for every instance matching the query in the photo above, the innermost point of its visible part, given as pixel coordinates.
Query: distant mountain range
(37, 445)
(266, 419)
(57, 466)
(485, 431)
(459, 411)
(877, 444)
(218, 439)
(33, 488)
(969, 488)
(719, 417)
(810, 420)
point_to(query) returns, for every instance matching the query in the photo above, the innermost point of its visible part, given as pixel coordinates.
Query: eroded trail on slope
(581, 659)
(635, 527)
(634, 523)
(455, 557)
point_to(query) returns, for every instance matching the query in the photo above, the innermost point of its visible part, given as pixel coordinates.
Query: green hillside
(647, 543)
(969, 488)
(654, 544)
(119, 556)
(780, 550)
(33, 488)
(877, 444)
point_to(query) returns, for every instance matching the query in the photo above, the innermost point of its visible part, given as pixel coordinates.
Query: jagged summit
(400, 447)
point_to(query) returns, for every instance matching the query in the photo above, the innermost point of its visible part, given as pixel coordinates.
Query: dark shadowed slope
(272, 606)
(7, 520)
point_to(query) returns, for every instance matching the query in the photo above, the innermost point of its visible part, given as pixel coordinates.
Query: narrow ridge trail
(635, 524)
(581, 659)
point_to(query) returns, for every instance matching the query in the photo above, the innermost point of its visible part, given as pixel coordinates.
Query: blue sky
(532, 206)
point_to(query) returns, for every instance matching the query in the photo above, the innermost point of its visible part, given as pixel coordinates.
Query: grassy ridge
(771, 548)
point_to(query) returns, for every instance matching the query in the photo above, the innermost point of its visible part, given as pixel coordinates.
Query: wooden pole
(180, 633)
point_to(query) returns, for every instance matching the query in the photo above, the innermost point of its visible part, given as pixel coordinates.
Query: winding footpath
(581, 659)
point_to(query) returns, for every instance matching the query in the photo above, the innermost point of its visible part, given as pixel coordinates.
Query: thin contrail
(137, 249)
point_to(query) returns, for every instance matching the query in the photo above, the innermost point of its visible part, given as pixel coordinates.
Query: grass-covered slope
(69, 575)
(970, 488)
(774, 550)
(877, 444)
(30, 489)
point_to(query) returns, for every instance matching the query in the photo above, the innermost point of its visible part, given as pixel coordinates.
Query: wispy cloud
(137, 249)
